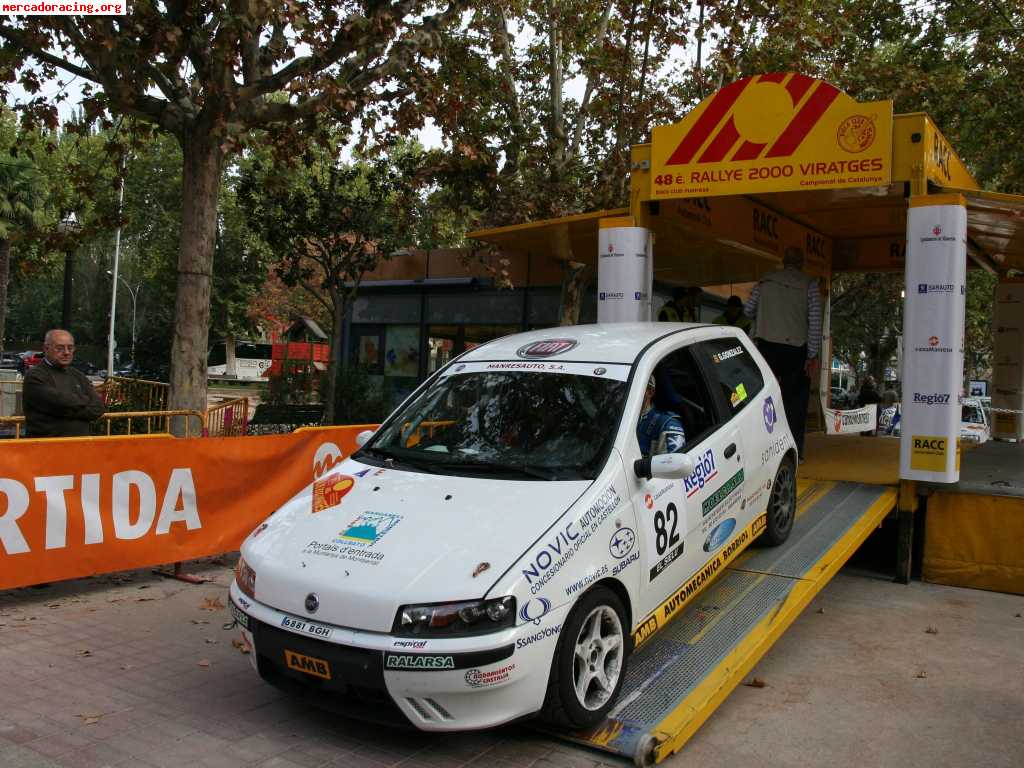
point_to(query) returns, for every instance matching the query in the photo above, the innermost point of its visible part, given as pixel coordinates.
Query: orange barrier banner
(73, 508)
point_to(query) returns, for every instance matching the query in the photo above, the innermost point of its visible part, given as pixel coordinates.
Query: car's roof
(604, 343)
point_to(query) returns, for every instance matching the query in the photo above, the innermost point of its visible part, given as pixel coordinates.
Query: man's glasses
(62, 347)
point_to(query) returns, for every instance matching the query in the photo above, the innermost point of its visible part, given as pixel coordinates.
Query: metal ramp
(679, 677)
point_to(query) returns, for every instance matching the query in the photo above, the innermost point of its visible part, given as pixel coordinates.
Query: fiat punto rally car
(499, 546)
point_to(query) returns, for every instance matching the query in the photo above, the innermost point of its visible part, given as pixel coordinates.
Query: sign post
(933, 338)
(624, 272)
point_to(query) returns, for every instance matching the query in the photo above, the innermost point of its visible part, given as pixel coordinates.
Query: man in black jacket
(59, 400)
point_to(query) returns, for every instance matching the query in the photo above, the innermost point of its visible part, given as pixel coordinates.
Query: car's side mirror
(664, 466)
(364, 437)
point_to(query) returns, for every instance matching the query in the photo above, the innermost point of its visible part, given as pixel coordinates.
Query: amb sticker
(308, 664)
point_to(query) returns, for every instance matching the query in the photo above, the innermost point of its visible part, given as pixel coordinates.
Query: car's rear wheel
(590, 661)
(781, 504)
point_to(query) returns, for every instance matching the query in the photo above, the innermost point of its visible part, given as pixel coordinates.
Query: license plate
(239, 616)
(307, 664)
(306, 627)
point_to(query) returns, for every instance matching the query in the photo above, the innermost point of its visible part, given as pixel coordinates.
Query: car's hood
(384, 538)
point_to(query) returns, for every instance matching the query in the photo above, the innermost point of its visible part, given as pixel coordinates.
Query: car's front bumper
(436, 685)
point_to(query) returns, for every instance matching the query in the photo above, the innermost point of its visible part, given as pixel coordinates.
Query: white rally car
(499, 546)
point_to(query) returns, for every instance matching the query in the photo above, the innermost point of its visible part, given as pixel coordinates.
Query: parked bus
(252, 360)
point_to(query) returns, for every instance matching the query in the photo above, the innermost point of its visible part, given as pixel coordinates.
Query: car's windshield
(972, 414)
(554, 422)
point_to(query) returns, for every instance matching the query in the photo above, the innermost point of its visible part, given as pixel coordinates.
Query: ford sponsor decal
(720, 534)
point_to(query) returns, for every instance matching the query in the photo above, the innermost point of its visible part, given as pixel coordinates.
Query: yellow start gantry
(783, 159)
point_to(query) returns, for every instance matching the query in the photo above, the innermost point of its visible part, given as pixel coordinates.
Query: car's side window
(683, 390)
(735, 370)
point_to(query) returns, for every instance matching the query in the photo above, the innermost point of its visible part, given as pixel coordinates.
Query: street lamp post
(68, 227)
(134, 293)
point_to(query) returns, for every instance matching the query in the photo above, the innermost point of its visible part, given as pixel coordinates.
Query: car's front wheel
(781, 504)
(590, 661)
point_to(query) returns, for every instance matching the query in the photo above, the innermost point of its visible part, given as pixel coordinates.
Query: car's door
(671, 512)
(752, 415)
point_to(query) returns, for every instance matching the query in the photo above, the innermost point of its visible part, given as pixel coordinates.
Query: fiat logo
(312, 602)
(546, 348)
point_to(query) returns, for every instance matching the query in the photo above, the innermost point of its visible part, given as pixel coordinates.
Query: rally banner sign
(79, 507)
(623, 272)
(933, 338)
(851, 421)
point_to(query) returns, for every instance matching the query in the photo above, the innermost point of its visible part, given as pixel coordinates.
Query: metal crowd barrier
(145, 395)
(156, 422)
(228, 419)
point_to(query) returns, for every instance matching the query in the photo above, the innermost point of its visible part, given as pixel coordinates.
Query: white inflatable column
(624, 272)
(1008, 366)
(933, 338)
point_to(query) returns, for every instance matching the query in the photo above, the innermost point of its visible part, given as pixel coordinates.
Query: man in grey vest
(786, 309)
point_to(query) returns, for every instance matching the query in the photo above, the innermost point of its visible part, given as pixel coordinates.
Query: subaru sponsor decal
(720, 534)
(621, 543)
(704, 470)
(770, 417)
(534, 609)
(623, 564)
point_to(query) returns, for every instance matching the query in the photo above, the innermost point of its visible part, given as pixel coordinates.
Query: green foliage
(359, 398)
(297, 384)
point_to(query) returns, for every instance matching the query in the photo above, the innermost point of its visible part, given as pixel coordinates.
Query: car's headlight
(245, 577)
(474, 617)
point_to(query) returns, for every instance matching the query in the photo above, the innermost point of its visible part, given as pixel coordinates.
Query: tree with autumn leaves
(219, 76)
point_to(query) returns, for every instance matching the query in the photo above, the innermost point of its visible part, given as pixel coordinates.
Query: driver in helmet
(658, 431)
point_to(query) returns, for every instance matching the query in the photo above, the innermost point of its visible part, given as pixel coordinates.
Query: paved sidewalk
(134, 670)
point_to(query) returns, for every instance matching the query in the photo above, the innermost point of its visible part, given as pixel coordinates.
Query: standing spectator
(59, 400)
(786, 309)
(734, 316)
(869, 395)
(683, 307)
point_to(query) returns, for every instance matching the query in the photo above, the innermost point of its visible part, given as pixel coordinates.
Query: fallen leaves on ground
(931, 631)
(242, 647)
(127, 667)
(90, 719)
(204, 663)
(84, 652)
(200, 621)
(212, 604)
(144, 599)
(921, 675)
(821, 610)
(755, 682)
(210, 641)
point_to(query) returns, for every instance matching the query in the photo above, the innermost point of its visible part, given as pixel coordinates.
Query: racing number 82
(664, 538)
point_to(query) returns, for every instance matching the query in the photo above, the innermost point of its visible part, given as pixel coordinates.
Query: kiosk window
(736, 371)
